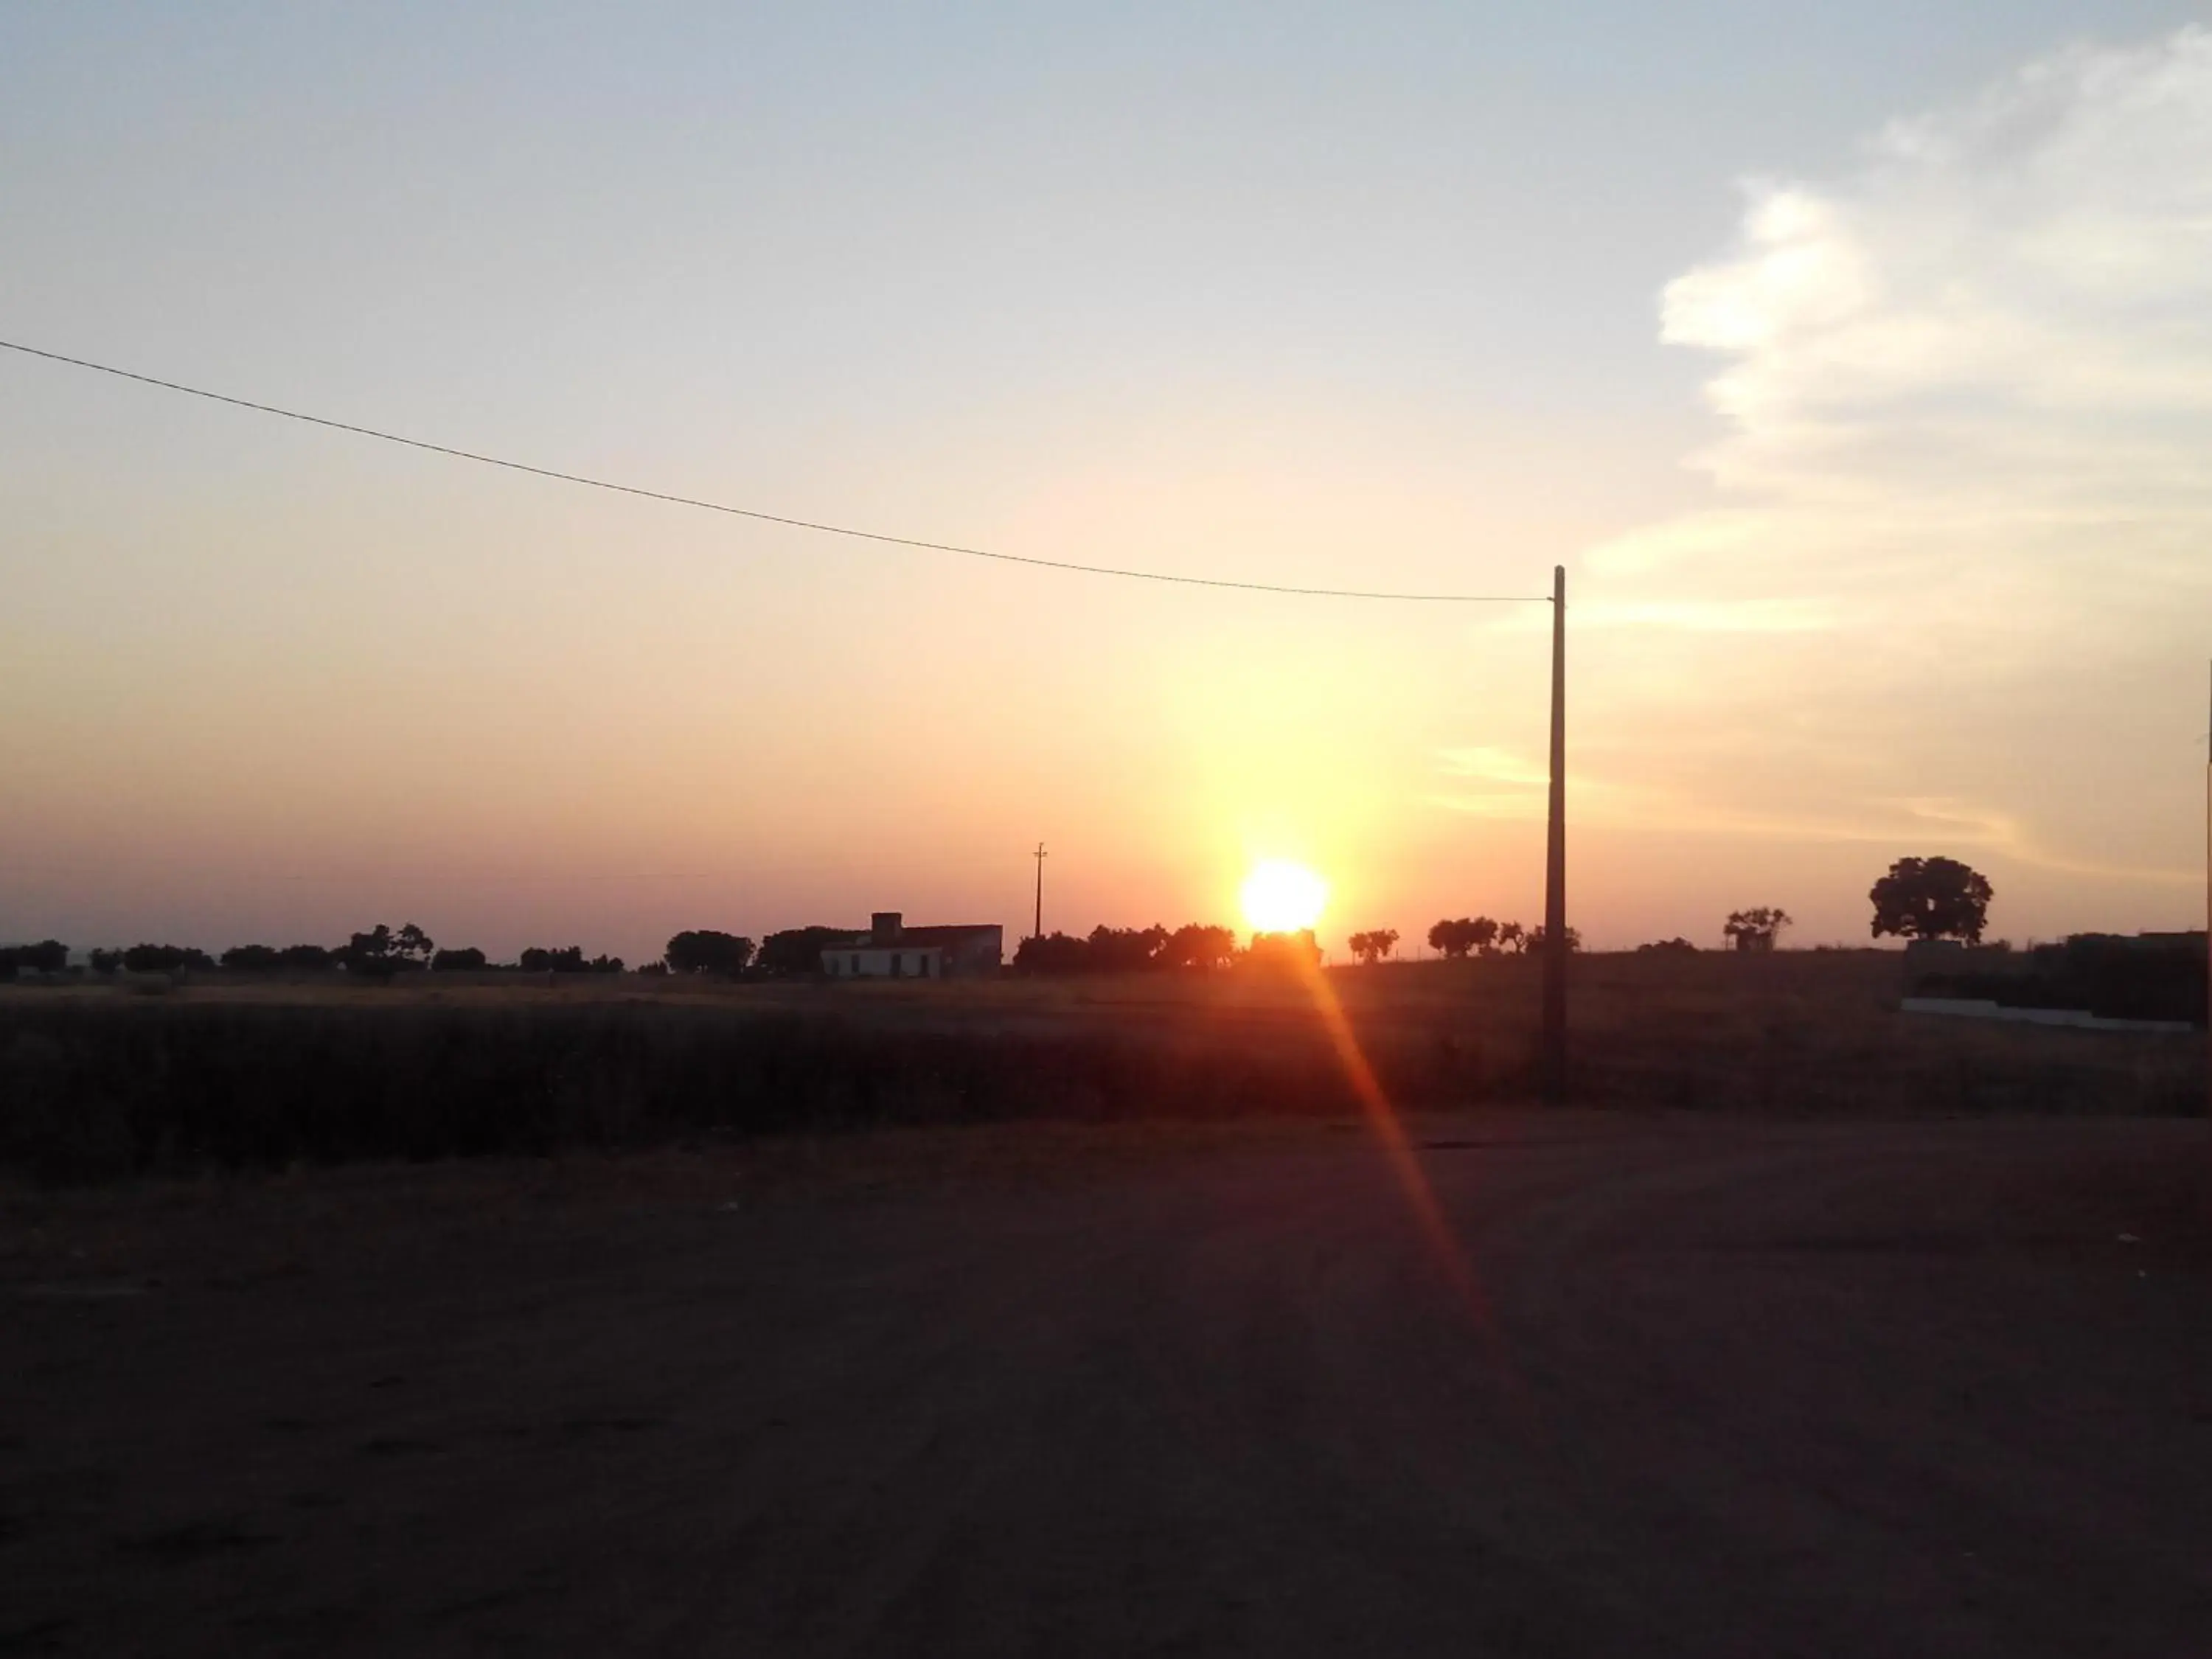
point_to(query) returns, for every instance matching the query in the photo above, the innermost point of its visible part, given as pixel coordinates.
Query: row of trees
(1481, 936)
(1918, 898)
(1921, 898)
(1194, 945)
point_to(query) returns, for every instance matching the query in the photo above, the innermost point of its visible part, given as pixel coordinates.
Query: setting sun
(1281, 897)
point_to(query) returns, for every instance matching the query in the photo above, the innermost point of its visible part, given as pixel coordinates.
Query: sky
(1856, 363)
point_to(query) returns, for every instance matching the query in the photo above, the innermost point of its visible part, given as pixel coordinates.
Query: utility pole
(1555, 862)
(1039, 925)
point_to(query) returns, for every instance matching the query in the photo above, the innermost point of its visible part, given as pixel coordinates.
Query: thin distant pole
(2207, 904)
(1038, 926)
(1555, 861)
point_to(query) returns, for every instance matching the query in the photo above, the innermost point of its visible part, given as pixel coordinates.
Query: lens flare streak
(1420, 1197)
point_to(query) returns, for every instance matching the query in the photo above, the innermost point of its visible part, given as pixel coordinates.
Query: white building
(891, 949)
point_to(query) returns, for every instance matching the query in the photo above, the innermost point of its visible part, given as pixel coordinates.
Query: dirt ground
(1723, 1388)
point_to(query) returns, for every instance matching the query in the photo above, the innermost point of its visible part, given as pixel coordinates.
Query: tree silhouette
(1371, 947)
(252, 957)
(1454, 939)
(1052, 953)
(1532, 942)
(370, 953)
(48, 955)
(467, 959)
(1511, 936)
(1755, 930)
(702, 951)
(566, 959)
(1931, 898)
(1126, 949)
(164, 958)
(1194, 944)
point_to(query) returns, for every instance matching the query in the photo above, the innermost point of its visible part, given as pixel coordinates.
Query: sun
(1281, 897)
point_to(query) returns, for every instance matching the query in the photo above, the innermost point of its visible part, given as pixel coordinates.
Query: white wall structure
(891, 949)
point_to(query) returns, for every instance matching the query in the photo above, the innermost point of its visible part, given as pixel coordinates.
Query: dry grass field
(98, 1079)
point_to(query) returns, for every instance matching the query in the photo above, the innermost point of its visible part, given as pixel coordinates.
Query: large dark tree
(1194, 944)
(256, 957)
(1052, 953)
(703, 951)
(1373, 946)
(466, 959)
(48, 955)
(1126, 949)
(1755, 929)
(1456, 938)
(307, 956)
(1452, 939)
(1931, 898)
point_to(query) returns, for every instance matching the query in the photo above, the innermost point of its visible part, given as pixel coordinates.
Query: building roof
(950, 934)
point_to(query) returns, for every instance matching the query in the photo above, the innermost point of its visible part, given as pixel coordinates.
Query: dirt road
(1728, 1389)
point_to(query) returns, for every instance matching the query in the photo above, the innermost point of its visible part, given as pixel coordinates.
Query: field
(101, 1080)
(1811, 1330)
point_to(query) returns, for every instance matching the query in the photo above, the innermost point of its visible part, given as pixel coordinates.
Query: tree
(1510, 937)
(1052, 953)
(1532, 942)
(1195, 945)
(1126, 949)
(253, 957)
(1931, 898)
(1755, 930)
(164, 958)
(466, 959)
(411, 945)
(369, 952)
(1454, 939)
(307, 956)
(105, 962)
(48, 955)
(703, 951)
(1371, 947)
(1677, 947)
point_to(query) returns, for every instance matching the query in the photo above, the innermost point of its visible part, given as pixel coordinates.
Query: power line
(769, 517)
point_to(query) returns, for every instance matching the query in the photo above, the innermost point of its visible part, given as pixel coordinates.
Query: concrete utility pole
(1039, 925)
(1555, 861)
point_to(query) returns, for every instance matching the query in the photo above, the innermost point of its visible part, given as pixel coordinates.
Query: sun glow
(1281, 897)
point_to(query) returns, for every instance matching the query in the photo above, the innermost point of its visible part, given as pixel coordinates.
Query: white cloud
(1964, 494)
